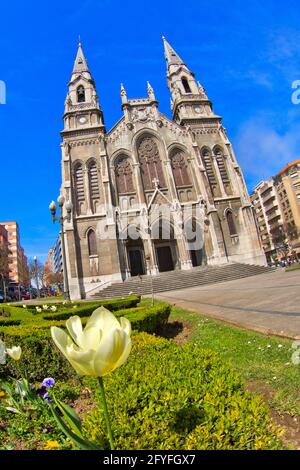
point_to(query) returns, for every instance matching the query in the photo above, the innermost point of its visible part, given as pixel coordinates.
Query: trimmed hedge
(9, 322)
(148, 319)
(180, 398)
(41, 359)
(86, 309)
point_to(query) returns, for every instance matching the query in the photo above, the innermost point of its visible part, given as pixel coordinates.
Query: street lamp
(61, 219)
(148, 260)
(36, 276)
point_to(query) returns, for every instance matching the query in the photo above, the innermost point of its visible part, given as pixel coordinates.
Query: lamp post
(148, 259)
(61, 219)
(36, 276)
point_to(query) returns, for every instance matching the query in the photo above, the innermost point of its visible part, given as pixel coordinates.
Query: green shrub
(170, 397)
(40, 358)
(86, 309)
(148, 319)
(9, 322)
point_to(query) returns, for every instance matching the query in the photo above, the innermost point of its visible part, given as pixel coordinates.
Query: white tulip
(14, 352)
(101, 347)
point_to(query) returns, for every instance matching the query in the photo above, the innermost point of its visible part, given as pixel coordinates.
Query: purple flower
(48, 382)
(41, 391)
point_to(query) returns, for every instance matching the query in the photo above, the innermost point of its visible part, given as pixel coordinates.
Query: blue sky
(246, 54)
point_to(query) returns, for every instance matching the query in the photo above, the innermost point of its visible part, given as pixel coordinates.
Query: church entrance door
(196, 257)
(136, 262)
(164, 258)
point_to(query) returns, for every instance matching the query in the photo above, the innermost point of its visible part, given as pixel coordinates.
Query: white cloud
(262, 150)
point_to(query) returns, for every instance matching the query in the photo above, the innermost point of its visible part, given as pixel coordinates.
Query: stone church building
(152, 194)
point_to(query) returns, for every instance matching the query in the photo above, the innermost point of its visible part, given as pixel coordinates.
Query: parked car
(13, 292)
(25, 295)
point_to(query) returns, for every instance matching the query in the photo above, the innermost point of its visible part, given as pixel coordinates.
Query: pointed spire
(123, 94)
(80, 64)
(150, 91)
(171, 56)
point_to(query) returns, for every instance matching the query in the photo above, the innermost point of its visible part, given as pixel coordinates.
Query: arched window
(93, 181)
(92, 243)
(124, 175)
(150, 164)
(79, 186)
(80, 94)
(208, 165)
(231, 223)
(180, 169)
(186, 85)
(221, 165)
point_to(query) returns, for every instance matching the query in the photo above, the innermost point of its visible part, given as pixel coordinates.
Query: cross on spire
(155, 181)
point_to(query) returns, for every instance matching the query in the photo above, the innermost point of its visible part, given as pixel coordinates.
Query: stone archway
(165, 246)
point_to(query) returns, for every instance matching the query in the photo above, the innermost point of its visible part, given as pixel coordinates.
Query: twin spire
(171, 56)
(80, 64)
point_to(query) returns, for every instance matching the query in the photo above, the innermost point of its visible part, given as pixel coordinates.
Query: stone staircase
(174, 280)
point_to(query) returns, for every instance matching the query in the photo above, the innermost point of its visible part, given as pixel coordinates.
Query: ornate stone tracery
(180, 169)
(151, 166)
(124, 175)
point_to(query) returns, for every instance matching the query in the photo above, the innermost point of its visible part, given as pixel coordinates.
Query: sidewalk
(268, 303)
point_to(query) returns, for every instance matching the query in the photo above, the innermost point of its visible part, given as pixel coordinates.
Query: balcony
(268, 197)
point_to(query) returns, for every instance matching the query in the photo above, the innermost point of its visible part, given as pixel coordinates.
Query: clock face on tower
(82, 119)
(197, 109)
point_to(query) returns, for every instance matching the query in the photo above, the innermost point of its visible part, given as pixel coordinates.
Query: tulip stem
(106, 415)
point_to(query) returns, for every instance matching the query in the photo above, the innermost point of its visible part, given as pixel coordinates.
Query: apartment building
(3, 255)
(287, 184)
(276, 205)
(17, 261)
(268, 215)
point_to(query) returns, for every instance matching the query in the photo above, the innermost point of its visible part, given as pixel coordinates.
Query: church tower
(229, 207)
(188, 98)
(86, 183)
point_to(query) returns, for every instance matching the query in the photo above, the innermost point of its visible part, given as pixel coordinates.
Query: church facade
(152, 194)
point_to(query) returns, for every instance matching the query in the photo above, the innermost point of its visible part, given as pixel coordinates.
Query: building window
(92, 243)
(79, 186)
(180, 168)
(150, 164)
(294, 175)
(208, 164)
(93, 182)
(80, 94)
(186, 85)
(124, 175)
(221, 165)
(231, 223)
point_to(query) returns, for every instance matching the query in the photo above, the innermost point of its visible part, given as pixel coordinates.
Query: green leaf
(83, 444)
(70, 416)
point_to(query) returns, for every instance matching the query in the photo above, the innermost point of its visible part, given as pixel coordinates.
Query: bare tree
(53, 279)
(36, 270)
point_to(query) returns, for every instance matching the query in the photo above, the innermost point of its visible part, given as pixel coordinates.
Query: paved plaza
(269, 303)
